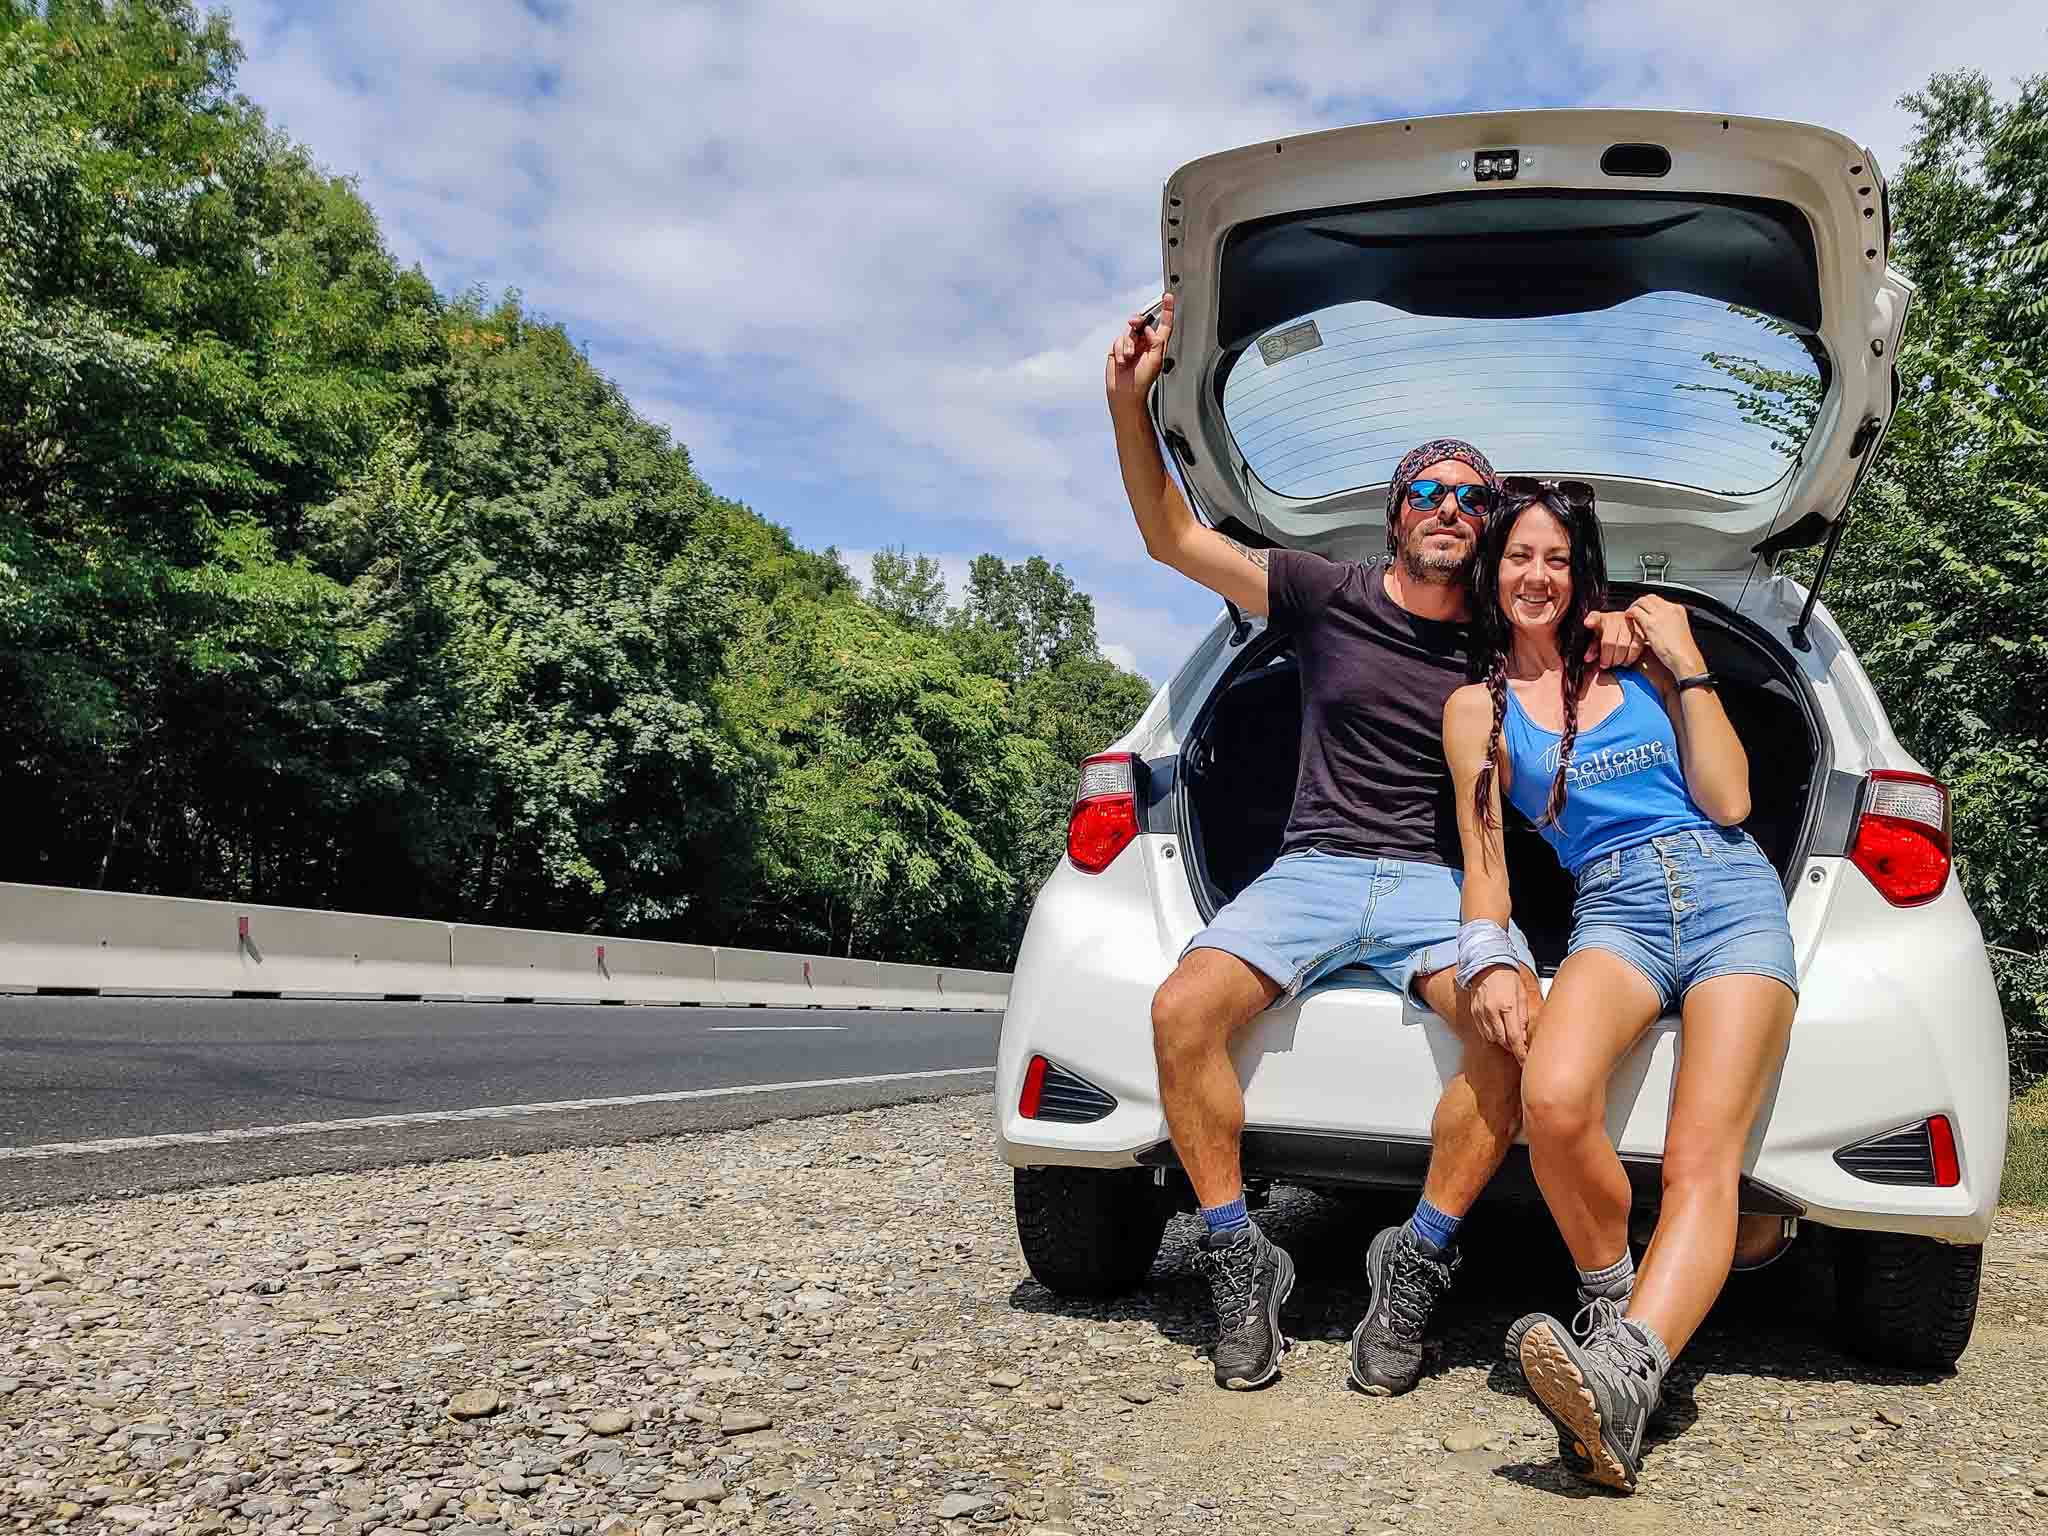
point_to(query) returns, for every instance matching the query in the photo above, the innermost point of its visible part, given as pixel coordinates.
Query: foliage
(1942, 581)
(319, 587)
(913, 592)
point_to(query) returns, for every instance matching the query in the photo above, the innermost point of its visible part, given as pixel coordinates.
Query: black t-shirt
(1374, 679)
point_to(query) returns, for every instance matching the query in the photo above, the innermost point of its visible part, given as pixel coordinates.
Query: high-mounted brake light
(1902, 839)
(1104, 820)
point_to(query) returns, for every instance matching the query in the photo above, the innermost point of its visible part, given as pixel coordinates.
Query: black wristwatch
(1698, 680)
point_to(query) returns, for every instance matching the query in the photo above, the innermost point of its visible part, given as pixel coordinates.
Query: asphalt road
(118, 1096)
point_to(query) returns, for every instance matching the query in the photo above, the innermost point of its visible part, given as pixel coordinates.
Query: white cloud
(1152, 640)
(887, 246)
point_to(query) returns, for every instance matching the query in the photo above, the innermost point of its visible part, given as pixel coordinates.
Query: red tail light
(1105, 815)
(1902, 841)
(1941, 1140)
(1034, 1085)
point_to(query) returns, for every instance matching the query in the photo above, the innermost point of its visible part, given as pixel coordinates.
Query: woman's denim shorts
(1687, 907)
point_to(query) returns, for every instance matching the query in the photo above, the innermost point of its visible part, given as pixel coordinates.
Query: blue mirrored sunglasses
(1473, 500)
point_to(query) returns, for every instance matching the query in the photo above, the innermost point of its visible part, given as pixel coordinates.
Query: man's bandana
(1416, 460)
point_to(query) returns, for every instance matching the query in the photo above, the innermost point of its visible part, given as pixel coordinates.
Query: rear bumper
(1332, 1159)
(1898, 1019)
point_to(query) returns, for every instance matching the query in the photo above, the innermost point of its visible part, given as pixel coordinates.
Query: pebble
(698, 1490)
(1471, 1437)
(476, 1403)
(717, 1334)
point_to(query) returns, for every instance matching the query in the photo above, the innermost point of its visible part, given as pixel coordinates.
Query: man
(1381, 646)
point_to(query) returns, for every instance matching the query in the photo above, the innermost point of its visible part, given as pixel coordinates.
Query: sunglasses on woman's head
(1575, 494)
(1473, 500)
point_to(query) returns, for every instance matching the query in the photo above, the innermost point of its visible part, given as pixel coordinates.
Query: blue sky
(865, 260)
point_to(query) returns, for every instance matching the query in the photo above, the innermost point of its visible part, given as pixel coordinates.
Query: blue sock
(1227, 1218)
(1432, 1228)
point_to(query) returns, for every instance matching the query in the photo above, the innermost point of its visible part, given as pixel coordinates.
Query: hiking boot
(1600, 1393)
(1250, 1278)
(1594, 1312)
(1386, 1349)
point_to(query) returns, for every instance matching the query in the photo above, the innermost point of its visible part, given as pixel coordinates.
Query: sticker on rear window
(1279, 346)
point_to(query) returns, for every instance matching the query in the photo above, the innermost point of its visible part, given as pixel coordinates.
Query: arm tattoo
(1256, 556)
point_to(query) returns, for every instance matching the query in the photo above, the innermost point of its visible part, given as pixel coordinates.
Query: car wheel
(1088, 1231)
(1906, 1300)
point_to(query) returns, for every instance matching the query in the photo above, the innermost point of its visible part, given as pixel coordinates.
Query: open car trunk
(1238, 768)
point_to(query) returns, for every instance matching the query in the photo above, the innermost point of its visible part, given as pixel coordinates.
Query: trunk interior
(1239, 769)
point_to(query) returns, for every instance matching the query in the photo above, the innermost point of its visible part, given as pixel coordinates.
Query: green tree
(1942, 580)
(200, 336)
(592, 633)
(1015, 620)
(913, 591)
(317, 587)
(892, 828)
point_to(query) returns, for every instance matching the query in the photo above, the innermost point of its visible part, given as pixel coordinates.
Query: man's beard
(1439, 568)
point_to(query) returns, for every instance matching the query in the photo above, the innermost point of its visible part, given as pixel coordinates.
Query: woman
(1638, 782)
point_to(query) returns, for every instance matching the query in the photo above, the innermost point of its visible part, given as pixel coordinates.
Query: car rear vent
(1636, 160)
(1904, 1156)
(1071, 1099)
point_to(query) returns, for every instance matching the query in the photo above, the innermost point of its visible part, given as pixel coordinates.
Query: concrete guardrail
(57, 939)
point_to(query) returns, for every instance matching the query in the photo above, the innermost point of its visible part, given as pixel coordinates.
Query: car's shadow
(1776, 1323)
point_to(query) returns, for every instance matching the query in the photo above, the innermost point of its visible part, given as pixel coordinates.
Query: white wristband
(1483, 944)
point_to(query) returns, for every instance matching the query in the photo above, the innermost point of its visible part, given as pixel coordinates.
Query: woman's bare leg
(1598, 1007)
(1735, 1032)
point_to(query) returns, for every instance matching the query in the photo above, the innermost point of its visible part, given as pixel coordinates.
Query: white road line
(449, 1116)
(776, 1029)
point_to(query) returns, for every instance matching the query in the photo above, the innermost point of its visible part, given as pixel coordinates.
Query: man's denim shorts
(1687, 907)
(1315, 912)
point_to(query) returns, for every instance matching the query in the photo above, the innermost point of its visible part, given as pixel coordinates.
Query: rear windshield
(1667, 386)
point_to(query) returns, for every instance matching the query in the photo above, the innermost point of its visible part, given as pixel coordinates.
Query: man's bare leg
(1475, 1124)
(1196, 1013)
(1480, 1113)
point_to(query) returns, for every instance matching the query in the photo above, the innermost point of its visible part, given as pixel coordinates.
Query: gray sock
(1616, 1282)
(1658, 1351)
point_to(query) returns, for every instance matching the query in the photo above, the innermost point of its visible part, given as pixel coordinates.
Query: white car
(1695, 313)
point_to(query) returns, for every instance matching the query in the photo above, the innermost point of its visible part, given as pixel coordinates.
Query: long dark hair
(1493, 635)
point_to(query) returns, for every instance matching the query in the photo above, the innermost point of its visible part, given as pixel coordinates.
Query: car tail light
(1902, 841)
(1942, 1137)
(1105, 815)
(1034, 1087)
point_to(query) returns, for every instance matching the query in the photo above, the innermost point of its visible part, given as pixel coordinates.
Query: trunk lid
(1694, 312)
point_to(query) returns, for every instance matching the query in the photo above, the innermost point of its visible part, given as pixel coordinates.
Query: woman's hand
(1500, 1009)
(1667, 631)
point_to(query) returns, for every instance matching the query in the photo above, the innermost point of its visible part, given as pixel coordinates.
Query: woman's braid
(1482, 788)
(1574, 678)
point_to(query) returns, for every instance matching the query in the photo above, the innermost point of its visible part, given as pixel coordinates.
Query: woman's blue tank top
(1624, 785)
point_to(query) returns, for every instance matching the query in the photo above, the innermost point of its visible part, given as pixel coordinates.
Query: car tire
(1088, 1231)
(1905, 1300)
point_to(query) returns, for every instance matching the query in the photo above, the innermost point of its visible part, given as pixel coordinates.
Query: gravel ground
(824, 1325)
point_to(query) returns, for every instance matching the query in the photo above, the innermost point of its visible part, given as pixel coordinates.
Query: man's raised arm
(1173, 535)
